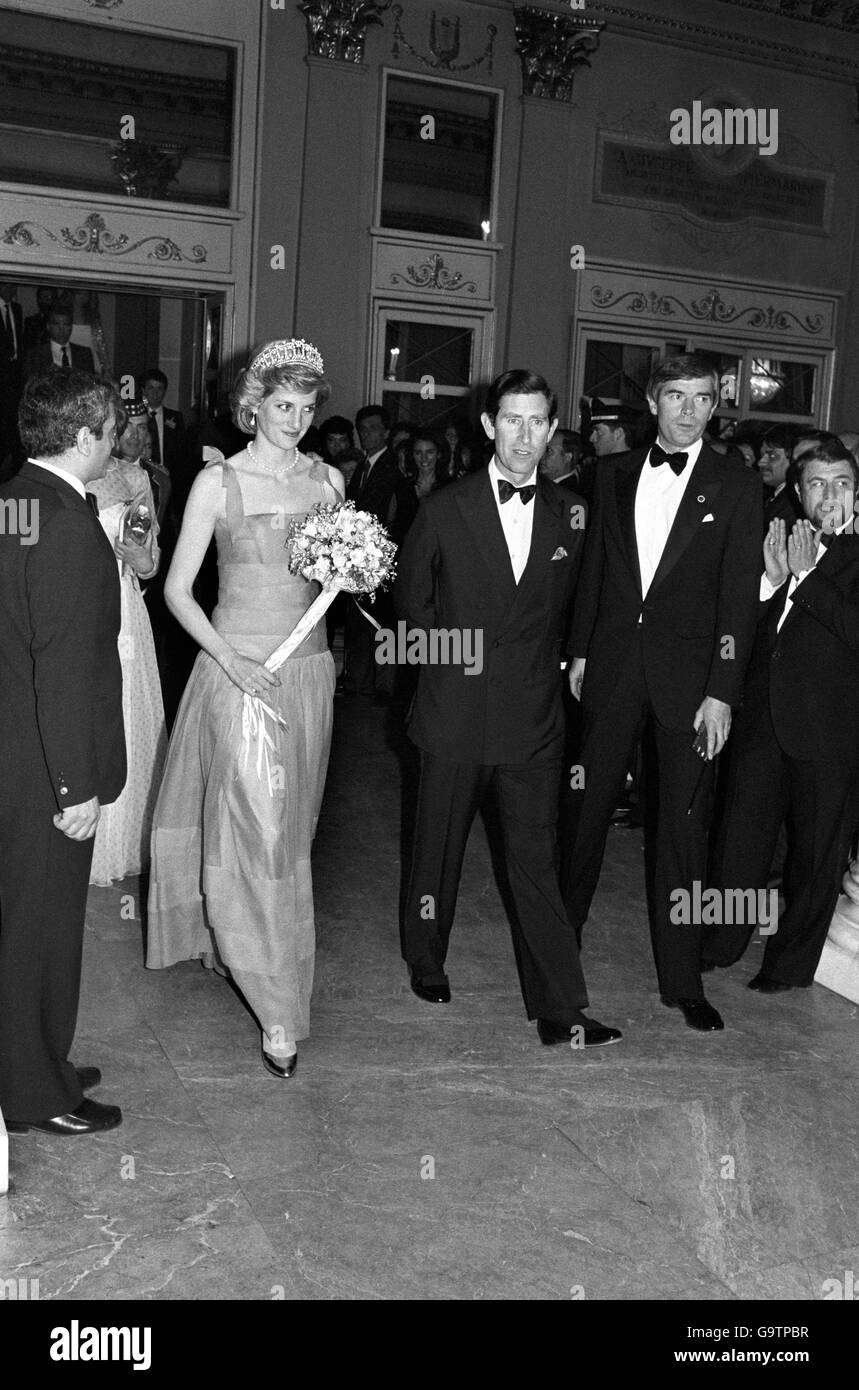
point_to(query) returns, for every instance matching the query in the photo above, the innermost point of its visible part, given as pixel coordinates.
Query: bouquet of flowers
(344, 550)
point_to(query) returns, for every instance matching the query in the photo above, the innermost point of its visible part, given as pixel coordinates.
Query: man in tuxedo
(780, 500)
(58, 351)
(62, 743)
(494, 558)
(36, 325)
(167, 432)
(561, 463)
(795, 750)
(376, 486)
(11, 361)
(662, 633)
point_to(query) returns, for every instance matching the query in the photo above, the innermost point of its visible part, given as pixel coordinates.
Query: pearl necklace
(270, 467)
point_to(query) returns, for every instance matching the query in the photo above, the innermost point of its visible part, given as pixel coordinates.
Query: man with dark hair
(167, 431)
(795, 751)
(376, 486)
(780, 501)
(62, 744)
(562, 459)
(57, 351)
(492, 559)
(661, 636)
(36, 325)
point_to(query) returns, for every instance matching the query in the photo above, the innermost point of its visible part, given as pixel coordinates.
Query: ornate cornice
(683, 33)
(832, 14)
(336, 29)
(93, 238)
(551, 47)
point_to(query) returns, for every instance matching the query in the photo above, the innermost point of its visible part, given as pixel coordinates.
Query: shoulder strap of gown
(319, 473)
(235, 509)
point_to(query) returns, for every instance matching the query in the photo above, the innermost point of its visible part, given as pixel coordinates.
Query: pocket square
(560, 553)
(708, 517)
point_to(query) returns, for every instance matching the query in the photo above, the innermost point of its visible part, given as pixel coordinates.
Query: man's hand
(79, 822)
(775, 554)
(802, 548)
(715, 715)
(577, 674)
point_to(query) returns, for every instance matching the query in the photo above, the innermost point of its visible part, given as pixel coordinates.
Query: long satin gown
(230, 854)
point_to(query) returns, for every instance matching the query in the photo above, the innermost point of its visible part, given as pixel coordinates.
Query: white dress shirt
(517, 520)
(657, 498)
(370, 460)
(61, 473)
(768, 588)
(57, 353)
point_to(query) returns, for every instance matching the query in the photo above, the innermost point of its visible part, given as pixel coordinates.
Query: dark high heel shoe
(282, 1070)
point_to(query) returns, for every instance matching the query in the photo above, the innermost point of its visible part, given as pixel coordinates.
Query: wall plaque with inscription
(641, 174)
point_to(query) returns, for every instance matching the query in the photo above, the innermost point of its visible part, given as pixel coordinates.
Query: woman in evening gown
(124, 827)
(231, 882)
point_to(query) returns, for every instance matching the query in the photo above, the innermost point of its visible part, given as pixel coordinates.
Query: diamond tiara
(292, 352)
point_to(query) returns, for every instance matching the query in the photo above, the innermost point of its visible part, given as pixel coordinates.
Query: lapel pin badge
(702, 498)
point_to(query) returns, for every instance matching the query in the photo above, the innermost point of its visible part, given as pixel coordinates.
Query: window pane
(439, 185)
(414, 350)
(411, 409)
(781, 388)
(64, 93)
(618, 371)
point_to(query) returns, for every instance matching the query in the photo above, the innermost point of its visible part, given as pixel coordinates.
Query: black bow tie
(92, 504)
(658, 456)
(507, 490)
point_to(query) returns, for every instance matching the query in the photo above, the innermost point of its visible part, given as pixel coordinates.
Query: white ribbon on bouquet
(254, 708)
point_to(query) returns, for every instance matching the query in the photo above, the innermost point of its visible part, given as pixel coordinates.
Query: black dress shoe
(283, 1070)
(88, 1077)
(587, 1032)
(431, 994)
(698, 1014)
(90, 1118)
(767, 986)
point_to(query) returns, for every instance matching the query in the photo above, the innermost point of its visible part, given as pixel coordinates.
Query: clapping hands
(794, 554)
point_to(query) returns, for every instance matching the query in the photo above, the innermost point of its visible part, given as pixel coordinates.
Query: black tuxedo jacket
(698, 619)
(806, 677)
(384, 484)
(62, 739)
(454, 572)
(783, 506)
(41, 360)
(175, 444)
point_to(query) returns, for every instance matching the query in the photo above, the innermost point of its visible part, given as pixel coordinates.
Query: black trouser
(821, 802)
(679, 856)
(44, 878)
(547, 953)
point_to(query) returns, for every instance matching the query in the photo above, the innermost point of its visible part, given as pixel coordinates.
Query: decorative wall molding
(112, 238)
(431, 268)
(337, 29)
(720, 307)
(840, 66)
(443, 45)
(723, 241)
(552, 47)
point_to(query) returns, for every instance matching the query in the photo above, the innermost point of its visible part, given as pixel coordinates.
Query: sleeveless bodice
(259, 601)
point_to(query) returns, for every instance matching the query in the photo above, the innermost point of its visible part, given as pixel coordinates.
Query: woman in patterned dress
(231, 882)
(124, 827)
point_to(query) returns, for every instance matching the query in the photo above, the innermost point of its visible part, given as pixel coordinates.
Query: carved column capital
(551, 47)
(337, 28)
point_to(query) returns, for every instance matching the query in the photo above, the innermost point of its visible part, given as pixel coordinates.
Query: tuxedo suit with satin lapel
(501, 725)
(795, 753)
(62, 741)
(40, 359)
(656, 657)
(782, 506)
(10, 384)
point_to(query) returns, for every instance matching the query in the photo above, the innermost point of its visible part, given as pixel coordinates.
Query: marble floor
(424, 1152)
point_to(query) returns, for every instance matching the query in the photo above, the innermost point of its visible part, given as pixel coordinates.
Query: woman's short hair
(252, 387)
(57, 404)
